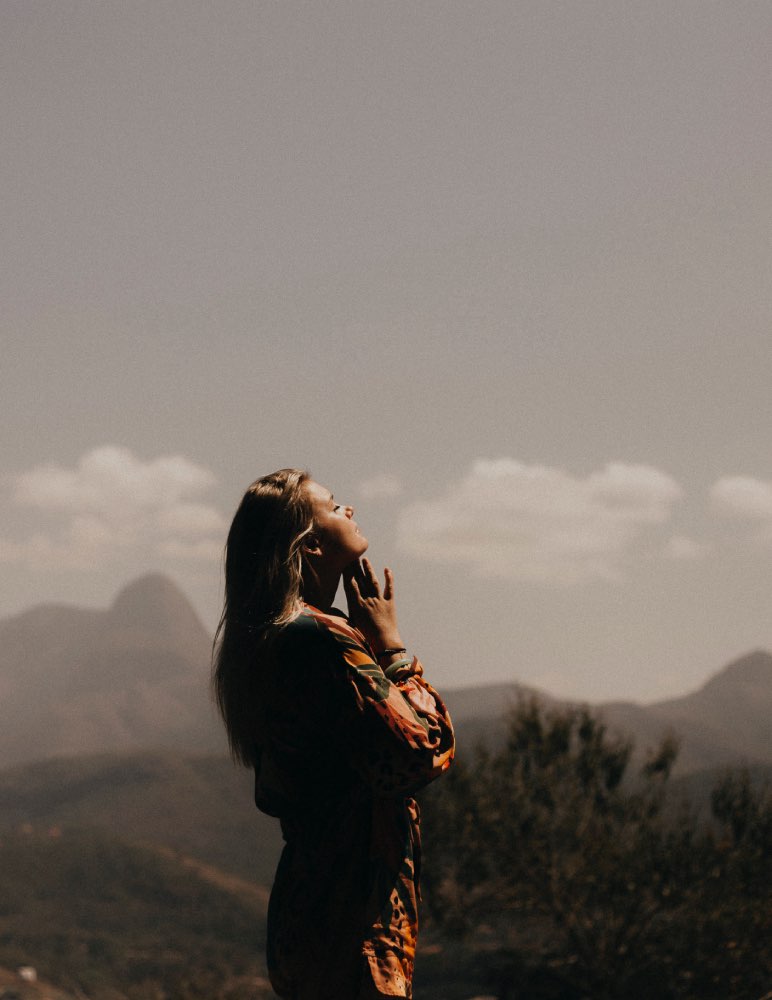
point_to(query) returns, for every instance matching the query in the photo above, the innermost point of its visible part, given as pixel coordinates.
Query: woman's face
(340, 540)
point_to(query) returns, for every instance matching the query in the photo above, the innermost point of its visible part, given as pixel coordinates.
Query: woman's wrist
(393, 644)
(387, 656)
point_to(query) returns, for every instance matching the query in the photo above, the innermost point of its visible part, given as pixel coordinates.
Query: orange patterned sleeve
(400, 734)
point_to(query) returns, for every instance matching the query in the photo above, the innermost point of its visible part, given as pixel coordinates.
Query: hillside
(130, 677)
(117, 922)
(201, 807)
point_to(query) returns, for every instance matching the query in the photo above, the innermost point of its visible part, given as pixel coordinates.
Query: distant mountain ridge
(728, 718)
(134, 677)
(726, 721)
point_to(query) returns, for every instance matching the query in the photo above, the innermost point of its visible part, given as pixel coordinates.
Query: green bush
(558, 865)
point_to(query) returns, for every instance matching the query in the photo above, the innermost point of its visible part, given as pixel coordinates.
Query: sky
(497, 273)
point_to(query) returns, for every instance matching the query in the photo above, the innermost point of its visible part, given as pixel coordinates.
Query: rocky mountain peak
(752, 669)
(155, 603)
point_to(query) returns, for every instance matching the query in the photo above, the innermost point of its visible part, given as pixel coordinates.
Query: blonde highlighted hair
(263, 580)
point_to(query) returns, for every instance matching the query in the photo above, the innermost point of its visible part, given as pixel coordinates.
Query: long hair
(263, 578)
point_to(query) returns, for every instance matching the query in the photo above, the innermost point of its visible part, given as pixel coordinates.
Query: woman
(341, 730)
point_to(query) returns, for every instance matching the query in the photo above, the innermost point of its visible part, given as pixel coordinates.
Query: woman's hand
(372, 612)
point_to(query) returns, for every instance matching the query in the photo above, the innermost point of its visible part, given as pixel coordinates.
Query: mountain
(129, 677)
(726, 721)
(134, 677)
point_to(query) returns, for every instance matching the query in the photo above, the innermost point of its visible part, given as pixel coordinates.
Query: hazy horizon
(498, 274)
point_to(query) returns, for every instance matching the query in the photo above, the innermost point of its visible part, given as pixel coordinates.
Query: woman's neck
(320, 592)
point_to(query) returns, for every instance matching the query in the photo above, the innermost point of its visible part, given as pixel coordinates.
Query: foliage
(566, 871)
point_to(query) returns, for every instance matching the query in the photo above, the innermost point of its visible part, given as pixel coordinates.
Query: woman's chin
(360, 551)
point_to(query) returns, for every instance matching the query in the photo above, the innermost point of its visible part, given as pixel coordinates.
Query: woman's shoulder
(310, 626)
(304, 631)
(299, 653)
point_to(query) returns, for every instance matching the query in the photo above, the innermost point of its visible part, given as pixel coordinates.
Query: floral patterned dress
(341, 747)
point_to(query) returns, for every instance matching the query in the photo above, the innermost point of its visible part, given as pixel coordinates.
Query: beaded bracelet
(398, 670)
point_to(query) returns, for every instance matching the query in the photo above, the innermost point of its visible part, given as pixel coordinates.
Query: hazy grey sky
(499, 273)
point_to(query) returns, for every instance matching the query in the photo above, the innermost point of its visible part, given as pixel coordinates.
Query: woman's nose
(349, 511)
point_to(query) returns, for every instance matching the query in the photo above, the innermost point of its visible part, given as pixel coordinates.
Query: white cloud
(513, 520)
(383, 487)
(113, 503)
(744, 497)
(110, 478)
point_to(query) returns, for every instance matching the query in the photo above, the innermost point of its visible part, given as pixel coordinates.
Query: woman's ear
(311, 545)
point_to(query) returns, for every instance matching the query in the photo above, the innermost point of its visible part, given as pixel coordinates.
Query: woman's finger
(371, 578)
(356, 575)
(351, 587)
(388, 587)
(359, 573)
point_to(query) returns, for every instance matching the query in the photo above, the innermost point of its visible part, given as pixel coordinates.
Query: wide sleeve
(397, 732)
